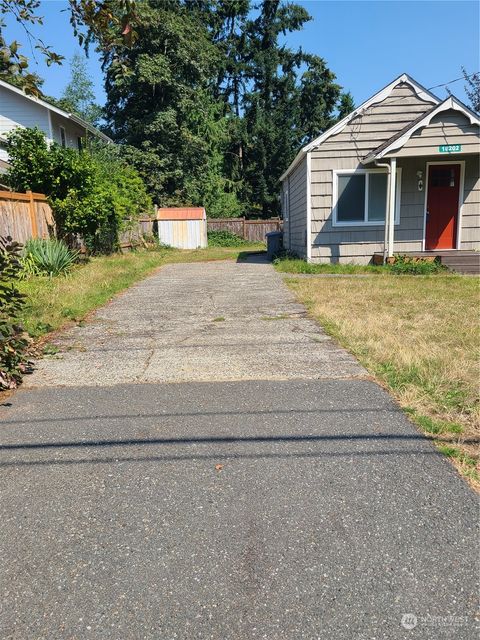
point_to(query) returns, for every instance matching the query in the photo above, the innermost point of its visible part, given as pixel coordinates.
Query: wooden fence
(25, 215)
(28, 215)
(251, 230)
(136, 232)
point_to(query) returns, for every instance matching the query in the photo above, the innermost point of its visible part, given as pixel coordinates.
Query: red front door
(442, 206)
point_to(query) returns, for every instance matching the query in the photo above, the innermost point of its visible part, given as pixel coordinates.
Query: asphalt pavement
(173, 475)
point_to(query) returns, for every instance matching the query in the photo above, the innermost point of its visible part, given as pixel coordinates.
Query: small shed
(182, 227)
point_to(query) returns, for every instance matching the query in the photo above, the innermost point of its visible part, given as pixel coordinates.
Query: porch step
(462, 262)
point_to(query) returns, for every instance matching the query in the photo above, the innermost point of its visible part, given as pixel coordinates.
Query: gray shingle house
(399, 174)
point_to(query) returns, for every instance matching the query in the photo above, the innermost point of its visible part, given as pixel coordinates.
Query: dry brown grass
(419, 336)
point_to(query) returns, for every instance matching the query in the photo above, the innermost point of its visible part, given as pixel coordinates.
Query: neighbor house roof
(61, 112)
(421, 91)
(181, 213)
(401, 137)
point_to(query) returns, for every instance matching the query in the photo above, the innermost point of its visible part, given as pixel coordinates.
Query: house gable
(374, 125)
(410, 96)
(449, 123)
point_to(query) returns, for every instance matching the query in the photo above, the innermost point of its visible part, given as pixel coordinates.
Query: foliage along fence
(251, 230)
(25, 215)
(28, 215)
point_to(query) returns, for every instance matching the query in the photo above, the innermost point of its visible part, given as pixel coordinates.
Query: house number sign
(449, 148)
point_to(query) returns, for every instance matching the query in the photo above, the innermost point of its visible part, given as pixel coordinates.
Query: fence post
(33, 214)
(244, 229)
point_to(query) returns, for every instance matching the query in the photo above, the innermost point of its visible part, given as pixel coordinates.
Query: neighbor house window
(361, 197)
(63, 137)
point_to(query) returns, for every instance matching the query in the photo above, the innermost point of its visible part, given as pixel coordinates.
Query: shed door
(442, 206)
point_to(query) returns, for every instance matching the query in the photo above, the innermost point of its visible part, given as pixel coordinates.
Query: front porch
(444, 147)
(460, 261)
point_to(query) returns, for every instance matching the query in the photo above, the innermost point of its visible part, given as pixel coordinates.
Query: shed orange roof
(181, 213)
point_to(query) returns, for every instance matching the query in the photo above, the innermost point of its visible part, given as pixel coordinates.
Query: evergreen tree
(346, 105)
(209, 103)
(214, 105)
(166, 107)
(472, 89)
(78, 96)
(283, 107)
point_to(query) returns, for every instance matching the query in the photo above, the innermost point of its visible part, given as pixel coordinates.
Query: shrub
(224, 239)
(93, 193)
(48, 257)
(30, 161)
(415, 266)
(13, 339)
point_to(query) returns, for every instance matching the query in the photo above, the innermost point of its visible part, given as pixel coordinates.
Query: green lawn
(297, 265)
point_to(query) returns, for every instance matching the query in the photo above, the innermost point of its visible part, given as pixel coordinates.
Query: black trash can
(274, 243)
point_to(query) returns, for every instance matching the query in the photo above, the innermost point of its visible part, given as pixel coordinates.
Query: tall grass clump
(49, 257)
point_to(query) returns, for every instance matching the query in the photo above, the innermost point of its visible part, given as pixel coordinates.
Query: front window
(63, 137)
(361, 198)
(351, 198)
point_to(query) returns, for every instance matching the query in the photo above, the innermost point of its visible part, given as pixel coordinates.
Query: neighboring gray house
(402, 151)
(17, 109)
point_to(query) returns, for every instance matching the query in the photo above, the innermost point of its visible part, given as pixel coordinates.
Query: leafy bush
(415, 266)
(224, 239)
(93, 193)
(48, 257)
(30, 161)
(13, 339)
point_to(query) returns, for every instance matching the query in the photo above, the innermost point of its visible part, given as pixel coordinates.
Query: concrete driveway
(212, 321)
(201, 461)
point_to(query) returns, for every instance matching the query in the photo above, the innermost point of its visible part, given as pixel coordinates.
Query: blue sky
(365, 43)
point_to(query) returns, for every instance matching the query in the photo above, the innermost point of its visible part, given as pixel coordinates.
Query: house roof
(61, 112)
(421, 91)
(423, 120)
(181, 213)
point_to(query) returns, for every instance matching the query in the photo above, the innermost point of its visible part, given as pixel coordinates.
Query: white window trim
(309, 206)
(364, 222)
(286, 203)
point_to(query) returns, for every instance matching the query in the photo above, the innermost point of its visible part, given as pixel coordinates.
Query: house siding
(19, 111)
(295, 226)
(16, 111)
(345, 151)
(72, 131)
(448, 127)
(470, 223)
